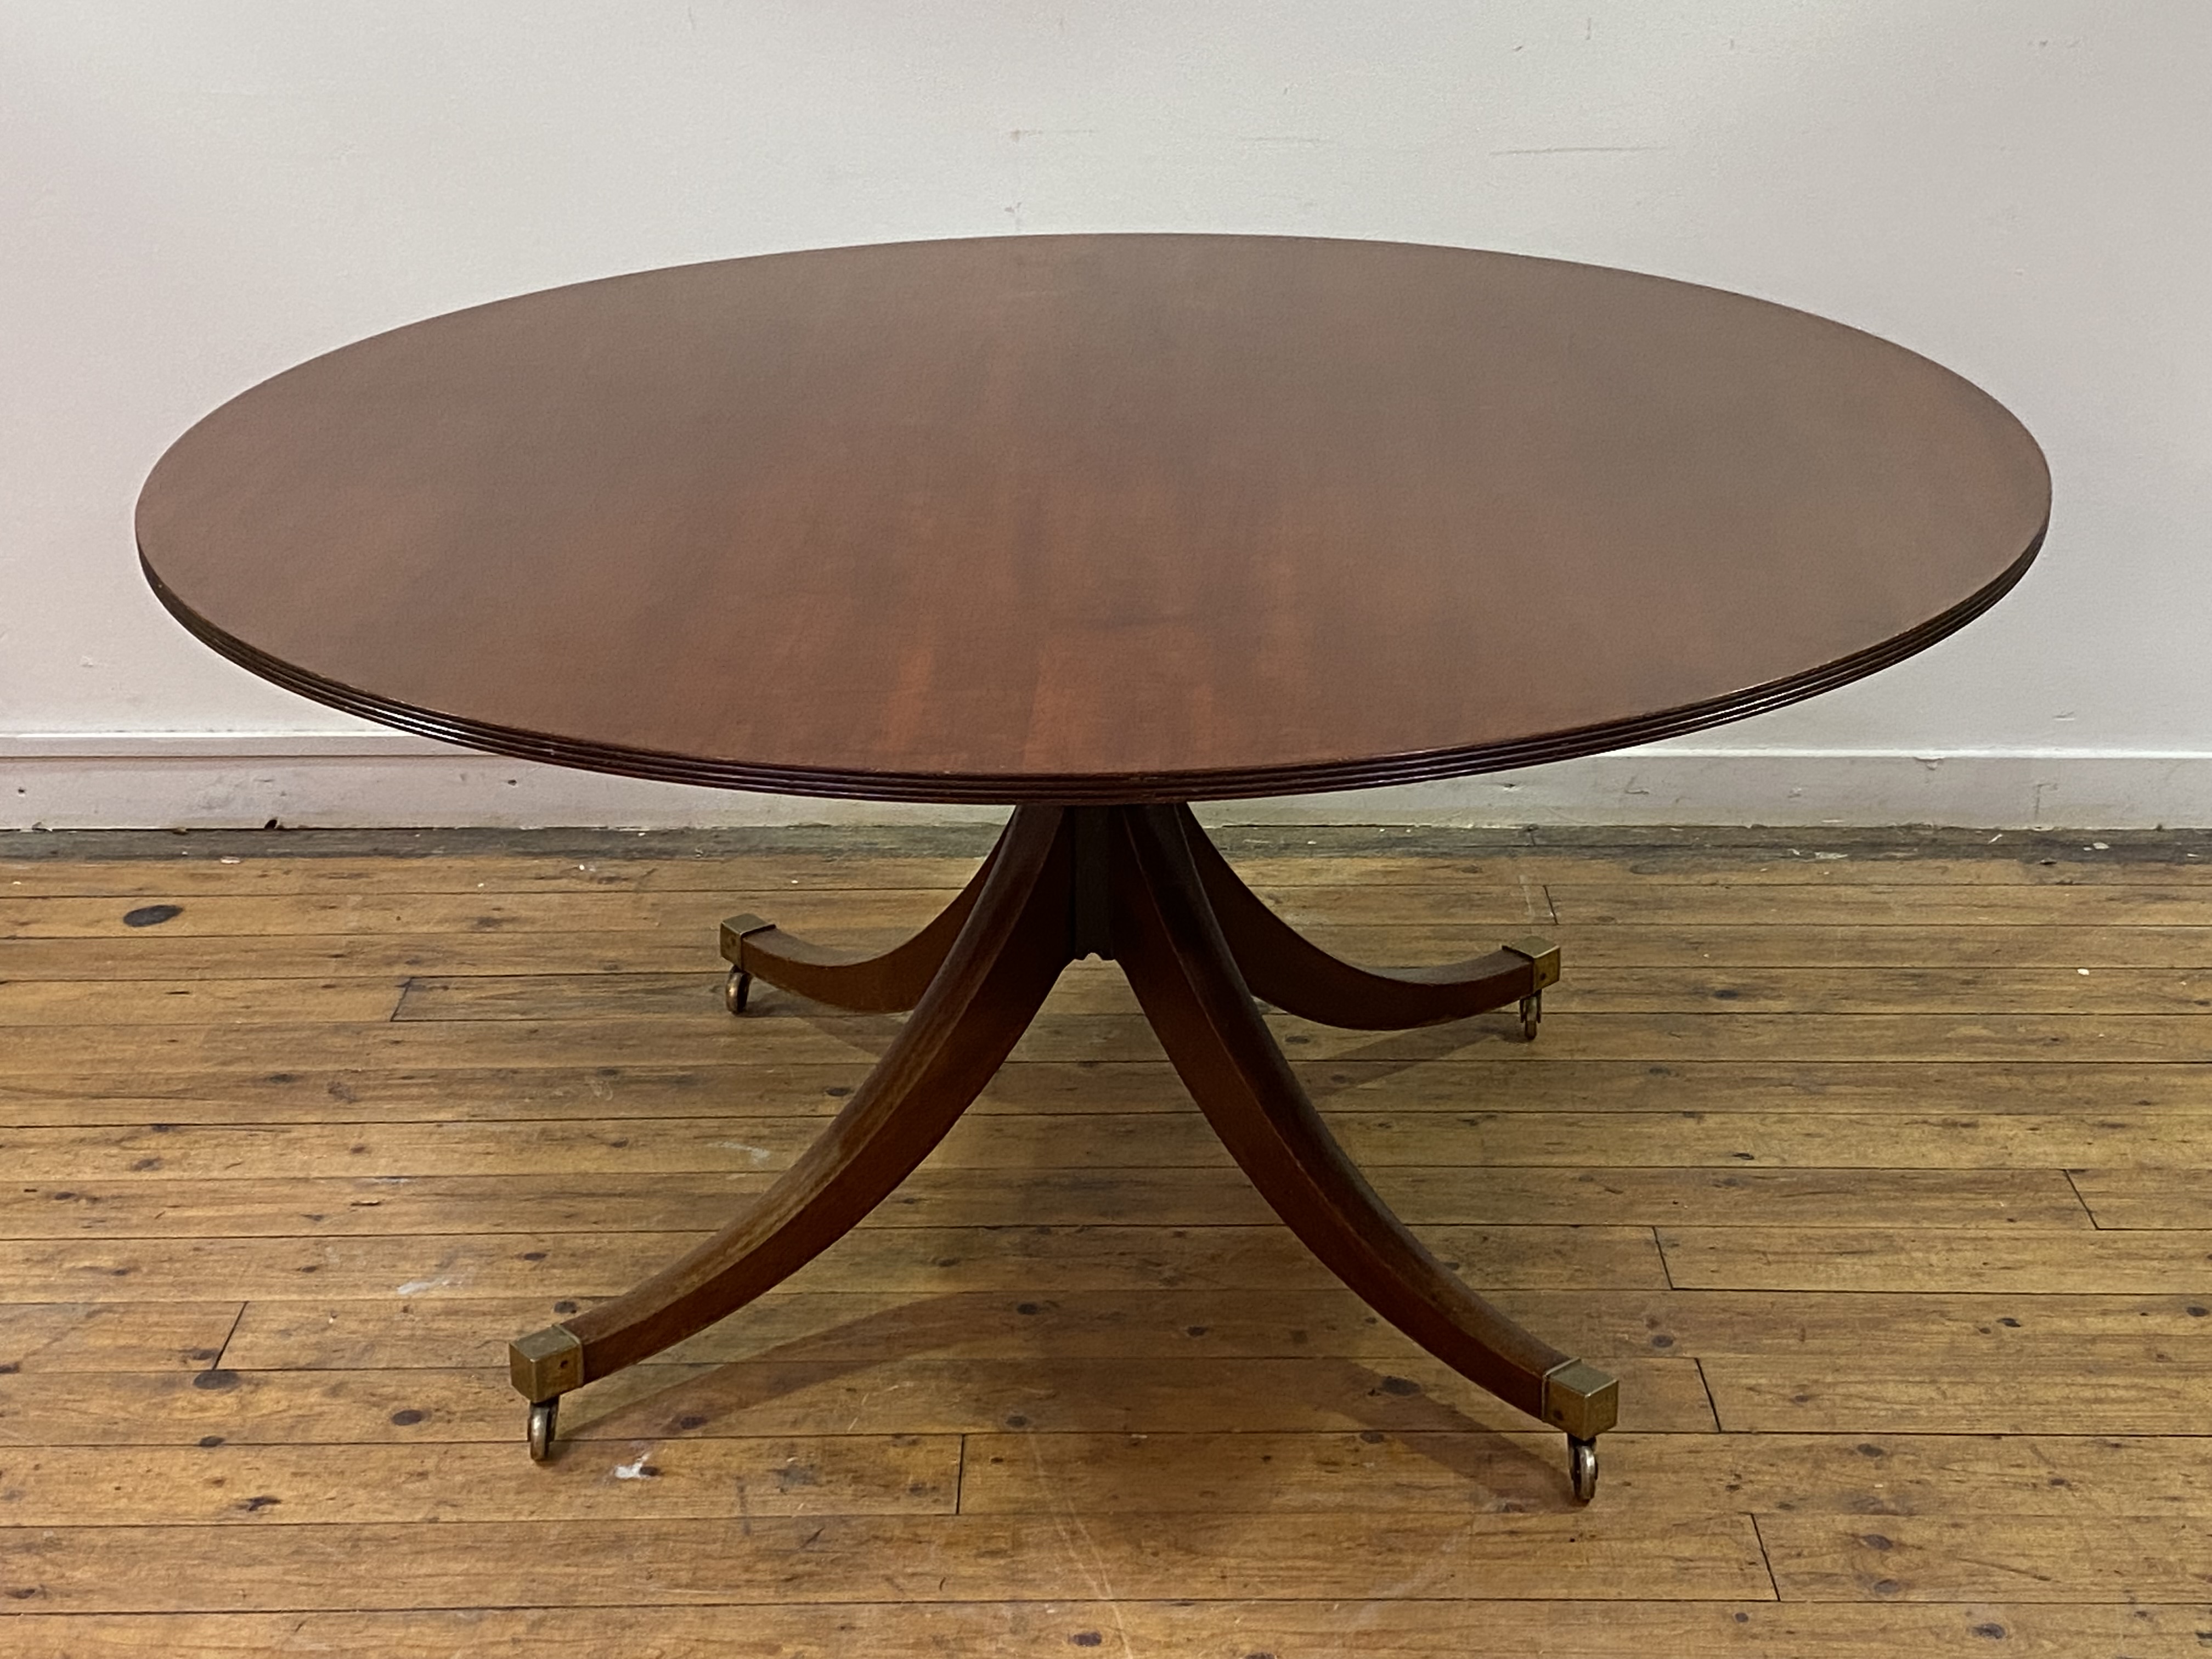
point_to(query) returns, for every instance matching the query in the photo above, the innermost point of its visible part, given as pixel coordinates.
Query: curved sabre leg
(1285, 968)
(1172, 946)
(996, 976)
(887, 984)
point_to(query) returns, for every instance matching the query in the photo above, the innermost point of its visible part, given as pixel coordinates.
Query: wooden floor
(1875, 1165)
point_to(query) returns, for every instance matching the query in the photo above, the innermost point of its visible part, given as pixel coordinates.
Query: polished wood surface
(1007, 955)
(1280, 966)
(1138, 885)
(1171, 946)
(1929, 1378)
(1092, 518)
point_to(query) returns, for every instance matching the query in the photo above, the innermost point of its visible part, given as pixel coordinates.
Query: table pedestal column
(1143, 886)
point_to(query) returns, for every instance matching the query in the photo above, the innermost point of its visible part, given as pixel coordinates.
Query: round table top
(1113, 517)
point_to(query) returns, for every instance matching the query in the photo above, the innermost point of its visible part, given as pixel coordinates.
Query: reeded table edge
(1099, 789)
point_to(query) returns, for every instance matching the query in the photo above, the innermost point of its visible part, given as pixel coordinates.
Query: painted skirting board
(378, 780)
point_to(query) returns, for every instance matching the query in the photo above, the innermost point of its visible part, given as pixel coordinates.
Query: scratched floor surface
(1873, 1164)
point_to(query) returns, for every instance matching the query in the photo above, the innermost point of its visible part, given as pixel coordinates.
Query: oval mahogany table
(1093, 526)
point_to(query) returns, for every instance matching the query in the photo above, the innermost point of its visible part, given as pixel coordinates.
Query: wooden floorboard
(1873, 1162)
(1400, 1627)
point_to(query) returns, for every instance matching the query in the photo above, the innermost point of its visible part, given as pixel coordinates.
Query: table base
(1142, 886)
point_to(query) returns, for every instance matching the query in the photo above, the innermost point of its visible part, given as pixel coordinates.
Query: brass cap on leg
(1581, 1398)
(546, 1365)
(1543, 959)
(734, 929)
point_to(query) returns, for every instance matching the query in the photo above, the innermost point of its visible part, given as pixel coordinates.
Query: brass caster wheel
(542, 1416)
(1582, 1469)
(1543, 959)
(735, 990)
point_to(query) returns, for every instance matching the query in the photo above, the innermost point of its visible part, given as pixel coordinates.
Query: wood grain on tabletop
(1101, 518)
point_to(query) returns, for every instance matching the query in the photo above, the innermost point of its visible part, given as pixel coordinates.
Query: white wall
(194, 195)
